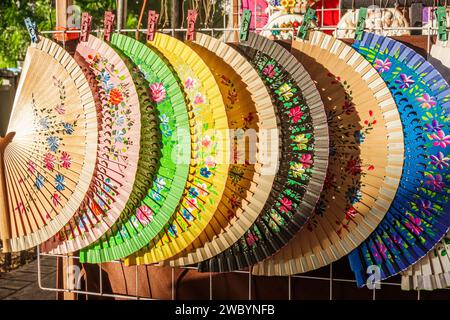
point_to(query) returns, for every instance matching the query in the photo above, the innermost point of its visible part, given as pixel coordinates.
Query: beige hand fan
(252, 173)
(49, 165)
(366, 157)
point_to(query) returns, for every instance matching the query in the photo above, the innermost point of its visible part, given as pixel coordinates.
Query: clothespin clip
(441, 17)
(245, 25)
(192, 18)
(361, 24)
(32, 30)
(306, 24)
(86, 26)
(108, 25)
(153, 18)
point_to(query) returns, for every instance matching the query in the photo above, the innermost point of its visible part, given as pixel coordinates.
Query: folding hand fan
(433, 271)
(208, 171)
(303, 160)
(366, 157)
(418, 217)
(163, 197)
(252, 173)
(128, 152)
(48, 166)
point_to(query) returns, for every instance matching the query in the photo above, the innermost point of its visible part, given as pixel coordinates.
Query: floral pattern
(418, 212)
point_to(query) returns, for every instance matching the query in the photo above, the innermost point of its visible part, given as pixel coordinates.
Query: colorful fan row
(229, 155)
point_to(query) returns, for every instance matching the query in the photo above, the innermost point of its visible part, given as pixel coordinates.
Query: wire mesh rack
(71, 281)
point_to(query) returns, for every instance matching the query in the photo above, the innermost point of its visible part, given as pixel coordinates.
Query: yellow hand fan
(49, 165)
(208, 172)
(250, 178)
(127, 154)
(366, 157)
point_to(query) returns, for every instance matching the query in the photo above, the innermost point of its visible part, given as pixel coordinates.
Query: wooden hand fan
(130, 139)
(303, 160)
(366, 157)
(253, 167)
(208, 170)
(433, 271)
(48, 166)
(418, 217)
(162, 198)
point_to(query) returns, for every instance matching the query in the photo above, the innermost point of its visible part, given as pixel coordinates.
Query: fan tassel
(5, 225)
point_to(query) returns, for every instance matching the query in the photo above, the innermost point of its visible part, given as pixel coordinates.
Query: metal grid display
(331, 279)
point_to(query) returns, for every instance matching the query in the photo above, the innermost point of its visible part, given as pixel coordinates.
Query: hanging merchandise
(366, 157)
(254, 163)
(383, 21)
(430, 22)
(48, 167)
(303, 162)
(130, 137)
(162, 198)
(433, 271)
(285, 14)
(418, 217)
(209, 169)
(260, 12)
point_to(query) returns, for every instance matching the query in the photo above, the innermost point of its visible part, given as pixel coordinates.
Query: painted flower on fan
(157, 92)
(353, 195)
(39, 182)
(426, 206)
(56, 199)
(383, 65)
(199, 99)
(43, 122)
(119, 136)
(115, 97)
(68, 128)
(173, 231)
(439, 160)
(60, 109)
(251, 238)
(286, 205)
(120, 121)
(209, 162)
(124, 232)
(53, 143)
(60, 183)
(144, 214)
(187, 215)
(414, 225)
(269, 71)
(164, 119)
(348, 107)
(426, 101)
(189, 83)
(441, 140)
(435, 126)
(302, 141)
(351, 213)
(405, 81)
(49, 161)
(285, 92)
(297, 170)
(193, 192)
(206, 142)
(379, 251)
(435, 182)
(191, 203)
(306, 160)
(354, 166)
(204, 172)
(155, 195)
(296, 114)
(31, 167)
(160, 183)
(202, 189)
(65, 160)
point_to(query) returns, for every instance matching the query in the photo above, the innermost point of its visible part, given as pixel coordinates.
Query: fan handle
(5, 225)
